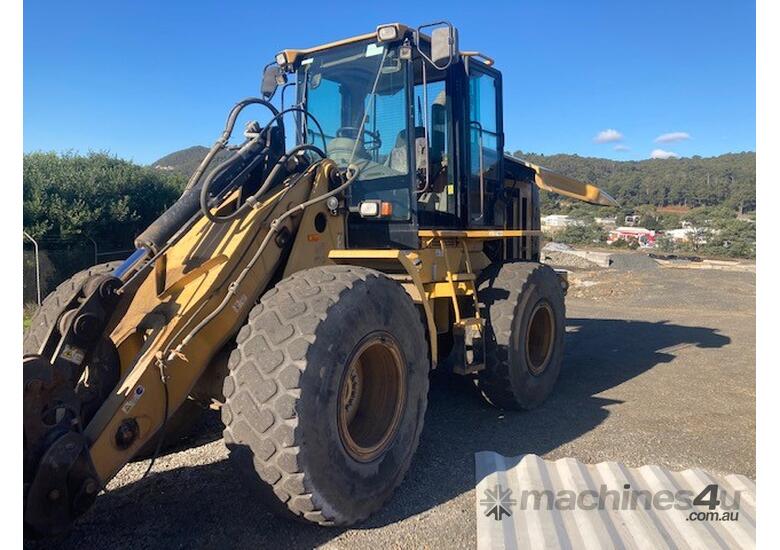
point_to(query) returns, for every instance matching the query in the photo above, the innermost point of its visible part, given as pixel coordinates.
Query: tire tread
(272, 351)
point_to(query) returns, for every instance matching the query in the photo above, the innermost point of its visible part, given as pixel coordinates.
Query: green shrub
(105, 198)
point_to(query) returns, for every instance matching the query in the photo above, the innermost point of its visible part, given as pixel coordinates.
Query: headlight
(281, 59)
(369, 209)
(387, 33)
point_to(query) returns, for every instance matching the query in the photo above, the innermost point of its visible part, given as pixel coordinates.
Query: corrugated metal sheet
(550, 503)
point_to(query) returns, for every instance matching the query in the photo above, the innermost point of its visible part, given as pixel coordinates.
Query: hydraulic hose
(228, 131)
(161, 230)
(306, 113)
(254, 199)
(353, 171)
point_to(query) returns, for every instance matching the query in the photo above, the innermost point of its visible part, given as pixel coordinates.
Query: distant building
(689, 234)
(640, 235)
(632, 220)
(684, 234)
(558, 222)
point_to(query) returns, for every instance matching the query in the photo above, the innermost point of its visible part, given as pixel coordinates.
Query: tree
(584, 233)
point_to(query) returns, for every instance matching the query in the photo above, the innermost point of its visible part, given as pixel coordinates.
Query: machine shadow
(600, 354)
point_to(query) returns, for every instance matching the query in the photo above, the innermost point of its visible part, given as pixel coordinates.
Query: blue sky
(141, 79)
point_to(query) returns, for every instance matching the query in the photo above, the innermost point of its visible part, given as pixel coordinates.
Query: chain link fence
(56, 260)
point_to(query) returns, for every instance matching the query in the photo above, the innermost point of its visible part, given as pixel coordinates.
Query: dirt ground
(659, 369)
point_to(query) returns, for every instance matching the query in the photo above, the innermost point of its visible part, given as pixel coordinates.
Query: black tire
(50, 309)
(281, 416)
(526, 319)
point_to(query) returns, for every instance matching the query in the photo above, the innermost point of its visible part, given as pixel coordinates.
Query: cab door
(485, 146)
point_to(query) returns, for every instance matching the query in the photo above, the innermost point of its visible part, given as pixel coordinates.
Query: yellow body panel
(312, 245)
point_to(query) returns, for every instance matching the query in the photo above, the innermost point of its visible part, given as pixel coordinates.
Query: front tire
(327, 393)
(526, 316)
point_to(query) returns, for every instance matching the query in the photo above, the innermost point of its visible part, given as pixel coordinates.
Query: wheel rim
(372, 397)
(540, 338)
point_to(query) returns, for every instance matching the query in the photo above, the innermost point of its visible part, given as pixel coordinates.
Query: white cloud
(661, 154)
(621, 147)
(671, 137)
(607, 136)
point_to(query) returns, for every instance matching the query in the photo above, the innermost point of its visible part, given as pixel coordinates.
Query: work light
(387, 33)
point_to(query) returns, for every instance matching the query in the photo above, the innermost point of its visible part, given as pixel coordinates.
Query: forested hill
(728, 180)
(183, 162)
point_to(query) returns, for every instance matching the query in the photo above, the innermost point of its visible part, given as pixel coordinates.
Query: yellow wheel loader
(306, 283)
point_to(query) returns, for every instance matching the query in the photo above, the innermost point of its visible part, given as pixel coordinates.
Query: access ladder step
(469, 345)
(471, 322)
(464, 277)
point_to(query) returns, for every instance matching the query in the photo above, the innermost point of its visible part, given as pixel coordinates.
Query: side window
(431, 105)
(323, 93)
(484, 165)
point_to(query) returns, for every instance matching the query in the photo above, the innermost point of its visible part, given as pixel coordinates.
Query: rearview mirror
(444, 45)
(271, 76)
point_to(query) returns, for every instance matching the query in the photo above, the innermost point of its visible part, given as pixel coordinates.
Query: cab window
(436, 194)
(484, 153)
(337, 90)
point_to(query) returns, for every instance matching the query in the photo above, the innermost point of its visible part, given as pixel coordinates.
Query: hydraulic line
(307, 114)
(160, 235)
(352, 173)
(228, 131)
(254, 199)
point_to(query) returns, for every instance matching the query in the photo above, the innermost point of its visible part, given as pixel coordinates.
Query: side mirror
(272, 75)
(444, 45)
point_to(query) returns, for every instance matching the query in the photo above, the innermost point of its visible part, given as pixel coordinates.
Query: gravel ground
(659, 368)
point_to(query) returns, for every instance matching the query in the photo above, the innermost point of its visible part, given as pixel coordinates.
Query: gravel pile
(633, 261)
(565, 259)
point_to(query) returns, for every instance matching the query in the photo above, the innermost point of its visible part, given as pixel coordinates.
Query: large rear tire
(327, 393)
(526, 315)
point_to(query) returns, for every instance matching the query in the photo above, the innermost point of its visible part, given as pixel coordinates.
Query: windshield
(336, 88)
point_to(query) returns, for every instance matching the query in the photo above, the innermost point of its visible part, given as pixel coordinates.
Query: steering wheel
(351, 132)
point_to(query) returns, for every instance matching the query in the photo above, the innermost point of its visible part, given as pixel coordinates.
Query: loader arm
(568, 187)
(204, 284)
(195, 277)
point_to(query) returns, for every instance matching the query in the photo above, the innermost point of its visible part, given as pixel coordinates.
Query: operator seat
(340, 150)
(399, 155)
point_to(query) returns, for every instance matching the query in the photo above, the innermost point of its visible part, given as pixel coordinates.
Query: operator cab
(421, 119)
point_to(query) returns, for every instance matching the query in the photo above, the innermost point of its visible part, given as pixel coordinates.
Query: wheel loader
(310, 276)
